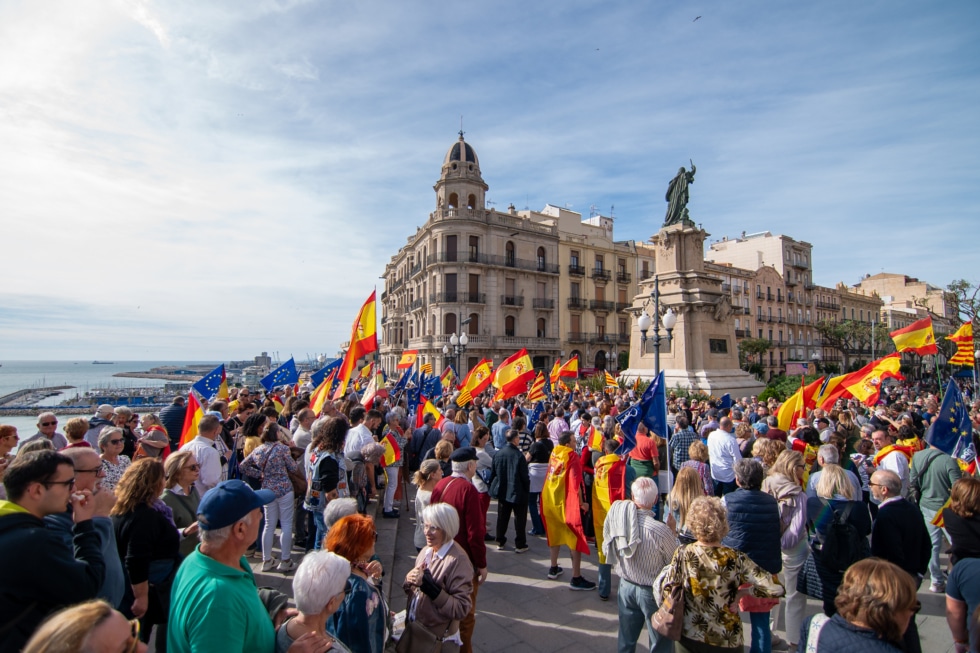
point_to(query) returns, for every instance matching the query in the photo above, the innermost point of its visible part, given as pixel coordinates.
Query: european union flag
(952, 431)
(285, 374)
(725, 401)
(209, 386)
(317, 377)
(433, 388)
(651, 410)
(535, 416)
(402, 382)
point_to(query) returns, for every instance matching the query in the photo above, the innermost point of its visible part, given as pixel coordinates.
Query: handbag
(668, 620)
(416, 638)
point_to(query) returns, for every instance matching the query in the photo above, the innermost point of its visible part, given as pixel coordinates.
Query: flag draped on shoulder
(408, 358)
(609, 485)
(917, 338)
(560, 504)
(191, 419)
(213, 385)
(964, 345)
(285, 374)
(363, 341)
(651, 409)
(536, 393)
(513, 375)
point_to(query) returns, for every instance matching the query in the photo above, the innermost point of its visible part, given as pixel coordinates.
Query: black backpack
(842, 546)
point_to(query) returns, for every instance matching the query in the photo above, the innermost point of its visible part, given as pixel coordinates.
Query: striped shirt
(656, 548)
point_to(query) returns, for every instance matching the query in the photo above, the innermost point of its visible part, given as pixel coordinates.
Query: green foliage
(783, 386)
(624, 360)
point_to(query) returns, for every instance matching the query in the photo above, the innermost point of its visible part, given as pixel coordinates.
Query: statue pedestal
(703, 354)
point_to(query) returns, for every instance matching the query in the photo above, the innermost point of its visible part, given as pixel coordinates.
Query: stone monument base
(713, 382)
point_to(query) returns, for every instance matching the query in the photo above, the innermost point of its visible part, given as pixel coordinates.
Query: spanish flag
(917, 338)
(408, 358)
(426, 407)
(536, 393)
(561, 509)
(366, 370)
(448, 377)
(570, 368)
(322, 393)
(392, 453)
(609, 486)
(363, 341)
(865, 384)
(513, 375)
(555, 371)
(964, 345)
(191, 419)
(595, 439)
(476, 382)
(611, 383)
(829, 392)
(797, 404)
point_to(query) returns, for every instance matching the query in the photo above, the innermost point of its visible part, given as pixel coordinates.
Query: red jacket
(459, 492)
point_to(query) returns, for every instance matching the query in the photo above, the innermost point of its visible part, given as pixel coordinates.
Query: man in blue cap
(215, 605)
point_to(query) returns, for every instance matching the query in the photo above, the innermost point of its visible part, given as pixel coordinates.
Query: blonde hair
(707, 520)
(425, 472)
(872, 592)
(768, 450)
(698, 451)
(834, 481)
(786, 463)
(443, 449)
(76, 428)
(687, 488)
(139, 485)
(66, 631)
(173, 464)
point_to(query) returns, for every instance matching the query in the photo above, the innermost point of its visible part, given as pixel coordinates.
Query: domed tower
(461, 186)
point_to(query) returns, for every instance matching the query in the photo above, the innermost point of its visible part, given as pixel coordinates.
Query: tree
(853, 338)
(752, 347)
(965, 297)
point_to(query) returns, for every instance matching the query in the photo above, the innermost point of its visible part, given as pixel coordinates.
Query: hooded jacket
(42, 575)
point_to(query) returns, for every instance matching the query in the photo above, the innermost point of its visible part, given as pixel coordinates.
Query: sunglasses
(193, 468)
(115, 441)
(134, 636)
(49, 423)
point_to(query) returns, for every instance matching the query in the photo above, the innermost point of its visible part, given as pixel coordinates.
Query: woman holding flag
(562, 503)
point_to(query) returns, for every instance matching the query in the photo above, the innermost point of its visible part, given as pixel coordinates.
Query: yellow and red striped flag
(425, 368)
(463, 398)
(595, 439)
(191, 419)
(555, 372)
(964, 345)
(392, 453)
(608, 486)
(917, 338)
(536, 393)
(611, 383)
(560, 502)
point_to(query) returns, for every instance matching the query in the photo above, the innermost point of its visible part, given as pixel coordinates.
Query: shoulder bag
(668, 620)
(416, 638)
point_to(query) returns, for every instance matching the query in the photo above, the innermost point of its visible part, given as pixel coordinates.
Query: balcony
(758, 294)
(623, 277)
(577, 270)
(645, 274)
(828, 305)
(578, 336)
(458, 298)
(577, 303)
(601, 275)
(790, 282)
(506, 261)
(779, 297)
(741, 333)
(512, 300)
(737, 289)
(769, 296)
(622, 306)
(609, 338)
(395, 285)
(779, 320)
(742, 310)
(414, 270)
(546, 304)
(799, 264)
(809, 285)
(417, 304)
(726, 287)
(601, 305)
(532, 344)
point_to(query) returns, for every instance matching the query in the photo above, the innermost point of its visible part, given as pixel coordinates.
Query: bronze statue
(677, 196)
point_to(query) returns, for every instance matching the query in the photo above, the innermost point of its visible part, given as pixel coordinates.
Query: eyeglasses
(98, 471)
(70, 483)
(134, 636)
(429, 528)
(54, 423)
(115, 441)
(875, 484)
(193, 468)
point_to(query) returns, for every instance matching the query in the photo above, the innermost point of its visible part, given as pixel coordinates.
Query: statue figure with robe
(677, 196)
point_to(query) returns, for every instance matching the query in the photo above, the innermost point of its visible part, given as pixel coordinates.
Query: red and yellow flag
(392, 452)
(322, 393)
(917, 337)
(191, 419)
(513, 375)
(829, 392)
(536, 393)
(609, 486)
(561, 509)
(570, 368)
(797, 404)
(426, 407)
(555, 372)
(865, 384)
(476, 381)
(595, 439)
(611, 383)
(408, 358)
(363, 341)
(964, 345)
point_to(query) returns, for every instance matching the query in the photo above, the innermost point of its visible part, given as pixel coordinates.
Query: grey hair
(891, 481)
(321, 576)
(338, 509)
(829, 454)
(218, 536)
(106, 433)
(461, 467)
(749, 473)
(444, 517)
(122, 410)
(45, 414)
(645, 492)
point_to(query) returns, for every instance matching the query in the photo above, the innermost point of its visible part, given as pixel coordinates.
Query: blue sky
(212, 179)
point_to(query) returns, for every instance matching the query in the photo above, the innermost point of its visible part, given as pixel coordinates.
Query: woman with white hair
(318, 589)
(441, 583)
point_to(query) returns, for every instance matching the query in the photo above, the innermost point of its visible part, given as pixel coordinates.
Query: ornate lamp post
(459, 347)
(669, 320)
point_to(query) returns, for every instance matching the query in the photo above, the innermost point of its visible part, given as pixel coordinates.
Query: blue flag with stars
(725, 401)
(651, 409)
(285, 374)
(317, 377)
(952, 431)
(209, 386)
(402, 382)
(535, 415)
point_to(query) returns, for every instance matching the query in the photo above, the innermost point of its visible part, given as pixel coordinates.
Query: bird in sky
(696, 19)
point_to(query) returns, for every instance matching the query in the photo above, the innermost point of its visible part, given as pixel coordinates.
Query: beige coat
(454, 573)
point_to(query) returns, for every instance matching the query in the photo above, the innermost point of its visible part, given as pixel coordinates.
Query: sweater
(837, 634)
(753, 519)
(458, 492)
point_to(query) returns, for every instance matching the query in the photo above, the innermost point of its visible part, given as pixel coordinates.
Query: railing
(758, 294)
(779, 297)
(505, 261)
(790, 282)
(577, 270)
(415, 269)
(622, 306)
(601, 305)
(828, 305)
(601, 275)
(543, 303)
(742, 310)
(737, 289)
(609, 338)
(395, 285)
(458, 298)
(512, 300)
(646, 274)
(741, 333)
(809, 285)
(516, 342)
(800, 264)
(578, 303)
(726, 287)
(578, 336)
(417, 304)
(624, 277)
(769, 296)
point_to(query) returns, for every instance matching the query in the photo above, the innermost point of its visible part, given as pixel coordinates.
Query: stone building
(907, 299)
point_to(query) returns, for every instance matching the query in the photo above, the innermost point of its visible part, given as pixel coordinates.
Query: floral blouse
(271, 462)
(114, 472)
(712, 576)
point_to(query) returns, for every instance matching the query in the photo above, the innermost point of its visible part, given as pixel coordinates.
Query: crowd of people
(121, 535)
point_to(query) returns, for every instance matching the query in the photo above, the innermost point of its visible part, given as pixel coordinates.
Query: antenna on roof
(612, 211)
(593, 211)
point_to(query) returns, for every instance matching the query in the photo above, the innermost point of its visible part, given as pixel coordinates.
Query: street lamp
(815, 357)
(459, 346)
(669, 320)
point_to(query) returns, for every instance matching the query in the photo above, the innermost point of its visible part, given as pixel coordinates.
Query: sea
(82, 375)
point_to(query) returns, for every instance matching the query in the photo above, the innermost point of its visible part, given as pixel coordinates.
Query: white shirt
(210, 461)
(723, 453)
(357, 437)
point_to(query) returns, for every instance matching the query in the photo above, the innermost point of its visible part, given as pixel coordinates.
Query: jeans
(605, 579)
(761, 635)
(537, 526)
(794, 602)
(936, 536)
(321, 529)
(504, 508)
(391, 487)
(279, 510)
(636, 608)
(723, 487)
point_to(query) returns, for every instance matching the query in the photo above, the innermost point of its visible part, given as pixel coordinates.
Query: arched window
(542, 327)
(474, 324)
(453, 201)
(510, 325)
(510, 256)
(449, 324)
(471, 202)
(542, 259)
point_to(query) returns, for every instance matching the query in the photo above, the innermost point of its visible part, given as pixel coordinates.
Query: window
(599, 263)
(736, 324)
(542, 259)
(451, 248)
(575, 322)
(862, 315)
(760, 334)
(471, 202)
(622, 327)
(600, 294)
(453, 200)
(449, 324)
(542, 328)
(474, 288)
(770, 335)
(621, 266)
(474, 248)
(575, 289)
(510, 258)
(450, 288)
(509, 326)
(621, 296)
(474, 324)
(600, 326)
(574, 256)
(646, 269)
(718, 345)
(542, 290)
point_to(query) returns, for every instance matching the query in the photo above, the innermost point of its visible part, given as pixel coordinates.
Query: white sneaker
(937, 588)
(267, 565)
(286, 566)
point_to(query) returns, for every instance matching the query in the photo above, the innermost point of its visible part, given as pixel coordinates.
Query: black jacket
(964, 535)
(41, 575)
(172, 418)
(753, 517)
(899, 535)
(509, 477)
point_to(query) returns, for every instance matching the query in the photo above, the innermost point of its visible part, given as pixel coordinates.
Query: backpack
(842, 545)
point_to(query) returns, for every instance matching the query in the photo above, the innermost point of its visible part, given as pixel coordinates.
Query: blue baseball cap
(229, 501)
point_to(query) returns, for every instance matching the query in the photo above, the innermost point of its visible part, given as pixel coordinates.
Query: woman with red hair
(361, 622)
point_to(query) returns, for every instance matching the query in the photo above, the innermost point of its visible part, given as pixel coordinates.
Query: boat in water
(102, 363)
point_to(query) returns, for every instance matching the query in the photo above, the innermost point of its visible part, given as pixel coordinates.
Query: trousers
(504, 510)
(280, 510)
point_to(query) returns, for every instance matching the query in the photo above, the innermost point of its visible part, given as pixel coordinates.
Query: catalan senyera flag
(609, 485)
(426, 368)
(392, 453)
(426, 407)
(363, 341)
(463, 397)
(796, 405)
(513, 375)
(917, 337)
(191, 419)
(536, 393)
(611, 383)
(555, 370)
(636, 384)
(561, 509)
(865, 384)
(570, 368)
(322, 393)
(964, 345)
(408, 358)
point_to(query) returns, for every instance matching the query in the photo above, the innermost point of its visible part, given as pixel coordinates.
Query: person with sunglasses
(47, 427)
(181, 470)
(111, 444)
(90, 627)
(46, 575)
